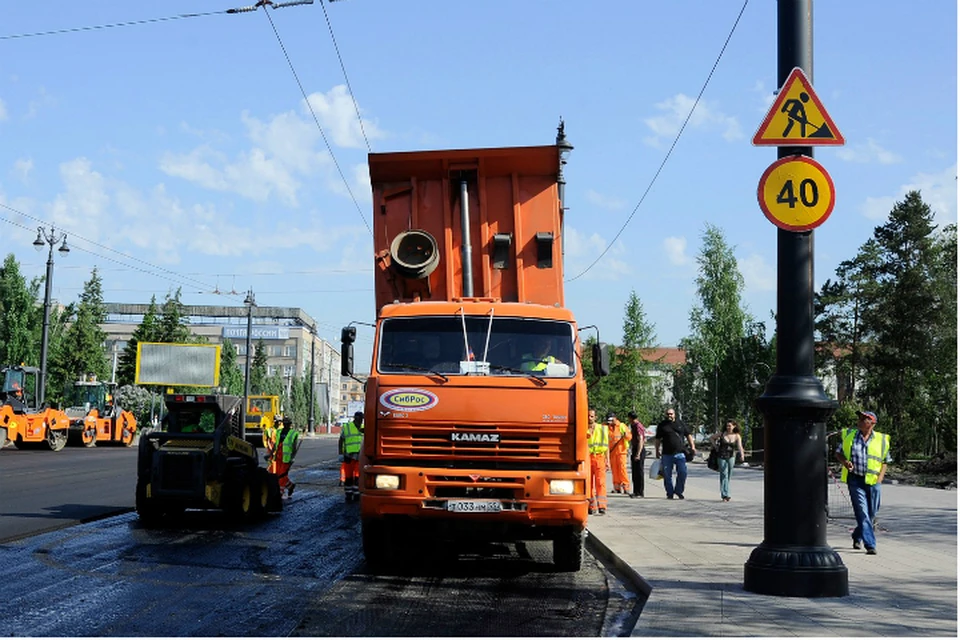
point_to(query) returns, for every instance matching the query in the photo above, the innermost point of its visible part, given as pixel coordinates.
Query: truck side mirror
(601, 359)
(348, 336)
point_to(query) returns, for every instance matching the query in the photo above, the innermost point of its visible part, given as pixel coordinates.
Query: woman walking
(728, 444)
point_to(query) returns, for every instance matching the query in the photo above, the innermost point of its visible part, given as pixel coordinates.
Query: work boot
(290, 489)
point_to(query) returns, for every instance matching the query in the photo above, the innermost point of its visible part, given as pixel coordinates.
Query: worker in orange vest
(619, 439)
(598, 443)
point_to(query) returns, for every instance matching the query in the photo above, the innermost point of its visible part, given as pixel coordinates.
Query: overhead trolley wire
(317, 121)
(110, 26)
(674, 144)
(345, 77)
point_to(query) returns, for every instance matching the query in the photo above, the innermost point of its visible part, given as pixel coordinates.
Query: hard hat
(287, 422)
(358, 414)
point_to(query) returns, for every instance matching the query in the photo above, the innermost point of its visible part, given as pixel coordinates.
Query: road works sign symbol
(797, 117)
(796, 193)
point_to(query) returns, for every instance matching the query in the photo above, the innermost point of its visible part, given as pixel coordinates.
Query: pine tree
(171, 327)
(147, 331)
(231, 377)
(81, 351)
(258, 369)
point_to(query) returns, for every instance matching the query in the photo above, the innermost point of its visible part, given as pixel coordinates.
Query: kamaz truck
(476, 403)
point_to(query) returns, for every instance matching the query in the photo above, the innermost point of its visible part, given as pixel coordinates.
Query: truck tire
(147, 511)
(377, 545)
(56, 439)
(568, 550)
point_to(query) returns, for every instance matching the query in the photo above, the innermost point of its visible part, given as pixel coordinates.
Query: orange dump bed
(515, 224)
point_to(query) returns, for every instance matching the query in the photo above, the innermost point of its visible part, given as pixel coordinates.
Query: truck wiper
(539, 379)
(416, 368)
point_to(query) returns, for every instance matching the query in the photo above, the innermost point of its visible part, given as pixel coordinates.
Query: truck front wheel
(377, 544)
(568, 550)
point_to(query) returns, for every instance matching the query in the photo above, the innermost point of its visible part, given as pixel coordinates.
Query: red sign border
(776, 221)
(797, 74)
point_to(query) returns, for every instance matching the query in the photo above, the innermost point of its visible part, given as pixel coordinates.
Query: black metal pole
(716, 396)
(794, 559)
(45, 333)
(313, 382)
(249, 301)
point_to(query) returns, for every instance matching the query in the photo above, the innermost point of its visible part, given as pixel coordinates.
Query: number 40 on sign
(796, 193)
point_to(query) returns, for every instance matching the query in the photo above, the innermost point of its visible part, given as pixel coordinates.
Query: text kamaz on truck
(476, 404)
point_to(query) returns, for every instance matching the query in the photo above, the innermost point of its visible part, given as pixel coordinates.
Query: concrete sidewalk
(692, 552)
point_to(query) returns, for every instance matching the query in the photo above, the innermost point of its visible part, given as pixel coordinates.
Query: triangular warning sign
(797, 118)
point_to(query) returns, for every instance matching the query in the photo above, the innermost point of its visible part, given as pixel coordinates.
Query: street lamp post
(716, 388)
(251, 302)
(43, 239)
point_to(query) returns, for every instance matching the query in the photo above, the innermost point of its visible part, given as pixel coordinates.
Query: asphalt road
(300, 572)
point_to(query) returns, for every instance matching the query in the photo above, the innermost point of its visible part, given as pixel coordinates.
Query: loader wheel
(568, 550)
(260, 493)
(56, 439)
(148, 512)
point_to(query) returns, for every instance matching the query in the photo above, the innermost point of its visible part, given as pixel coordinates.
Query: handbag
(655, 470)
(688, 453)
(713, 460)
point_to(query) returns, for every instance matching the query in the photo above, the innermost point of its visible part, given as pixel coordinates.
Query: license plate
(474, 506)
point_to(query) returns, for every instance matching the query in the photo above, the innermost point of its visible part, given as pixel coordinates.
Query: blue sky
(187, 143)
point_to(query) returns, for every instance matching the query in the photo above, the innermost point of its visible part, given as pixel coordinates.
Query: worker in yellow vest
(286, 445)
(598, 441)
(351, 441)
(863, 453)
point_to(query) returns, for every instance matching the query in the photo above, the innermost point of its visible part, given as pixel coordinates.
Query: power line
(674, 144)
(317, 122)
(110, 26)
(345, 77)
(75, 236)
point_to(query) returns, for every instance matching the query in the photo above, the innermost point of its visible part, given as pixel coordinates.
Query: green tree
(631, 376)
(718, 324)
(171, 327)
(81, 350)
(231, 377)
(19, 340)
(258, 368)
(905, 360)
(147, 331)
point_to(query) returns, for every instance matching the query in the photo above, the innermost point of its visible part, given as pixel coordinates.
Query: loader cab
(202, 414)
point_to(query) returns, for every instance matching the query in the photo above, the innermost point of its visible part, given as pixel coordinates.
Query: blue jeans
(666, 468)
(862, 496)
(726, 469)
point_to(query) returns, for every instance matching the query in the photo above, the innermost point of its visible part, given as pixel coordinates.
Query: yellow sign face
(797, 118)
(796, 193)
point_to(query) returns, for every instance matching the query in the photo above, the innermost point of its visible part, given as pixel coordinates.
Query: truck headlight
(387, 482)
(561, 487)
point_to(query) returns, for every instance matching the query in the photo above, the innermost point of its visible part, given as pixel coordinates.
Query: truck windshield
(517, 347)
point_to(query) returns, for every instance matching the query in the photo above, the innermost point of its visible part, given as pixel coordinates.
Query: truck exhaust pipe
(467, 248)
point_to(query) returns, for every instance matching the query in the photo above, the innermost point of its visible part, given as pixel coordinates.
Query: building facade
(293, 348)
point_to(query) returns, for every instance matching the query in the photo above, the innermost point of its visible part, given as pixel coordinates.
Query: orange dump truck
(476, 405)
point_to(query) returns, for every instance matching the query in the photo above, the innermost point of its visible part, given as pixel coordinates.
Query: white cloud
(676, 249)
(337, 114)
(604, 202)
(580, 251)
(85, 201)
(866, 152)
(286, 151)
(757, 274)
(705, 116)
(22, 169)
(939, 190)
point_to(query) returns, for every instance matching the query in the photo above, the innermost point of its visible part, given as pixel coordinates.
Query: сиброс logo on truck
(409, 400)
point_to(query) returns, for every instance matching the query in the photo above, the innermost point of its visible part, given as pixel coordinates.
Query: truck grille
(546, 443)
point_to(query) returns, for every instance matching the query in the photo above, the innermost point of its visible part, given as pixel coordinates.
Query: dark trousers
(636, 467)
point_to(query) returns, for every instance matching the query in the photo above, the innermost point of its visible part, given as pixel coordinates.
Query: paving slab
(691, 553)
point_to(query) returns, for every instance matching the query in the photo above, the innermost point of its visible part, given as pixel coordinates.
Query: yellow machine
(261, 412)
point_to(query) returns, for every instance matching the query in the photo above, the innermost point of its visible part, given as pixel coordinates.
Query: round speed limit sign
(796, 193)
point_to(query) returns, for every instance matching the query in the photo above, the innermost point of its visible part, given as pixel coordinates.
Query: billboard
(162, 363)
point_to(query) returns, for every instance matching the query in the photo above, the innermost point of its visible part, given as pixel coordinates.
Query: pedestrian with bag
(863, 453)
(599, 444)
(673, 438)
(619, 438)
(727, 445)
(638, 453)
(351, 442)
